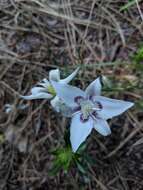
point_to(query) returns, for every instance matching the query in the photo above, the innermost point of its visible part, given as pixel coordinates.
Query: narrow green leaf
(81, 168)
(128, 5)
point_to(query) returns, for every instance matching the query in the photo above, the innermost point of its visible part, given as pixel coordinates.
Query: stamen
(96, 109)
(86, 108)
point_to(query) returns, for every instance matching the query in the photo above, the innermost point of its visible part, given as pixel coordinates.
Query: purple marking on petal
(94, 113)
(82, 119)
(99, 105)
(78, 108)
(91, 98)
(78, 99)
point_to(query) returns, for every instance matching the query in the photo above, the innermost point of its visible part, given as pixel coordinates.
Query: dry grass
(39, 35)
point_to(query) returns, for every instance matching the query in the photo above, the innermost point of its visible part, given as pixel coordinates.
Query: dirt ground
(104, 38)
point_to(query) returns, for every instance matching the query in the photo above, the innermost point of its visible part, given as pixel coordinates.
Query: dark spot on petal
(90, 98)
(83, 120)
(94, 113)
(99, 105)
(78, 99)
(78, 108)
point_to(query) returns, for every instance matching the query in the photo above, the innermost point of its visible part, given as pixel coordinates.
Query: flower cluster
(87, 109)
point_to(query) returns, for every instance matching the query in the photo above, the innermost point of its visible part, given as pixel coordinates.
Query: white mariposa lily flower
(89, 110)
(45, 90)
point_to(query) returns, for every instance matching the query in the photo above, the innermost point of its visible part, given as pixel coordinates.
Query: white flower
(45, 90)
(89, 110)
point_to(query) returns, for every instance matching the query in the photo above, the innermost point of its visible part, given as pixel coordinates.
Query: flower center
(51, 90)
(86, 108)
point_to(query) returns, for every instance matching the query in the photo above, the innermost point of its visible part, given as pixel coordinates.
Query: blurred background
(104, 38)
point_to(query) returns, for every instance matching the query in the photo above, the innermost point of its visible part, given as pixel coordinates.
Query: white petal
(36, 90)
(40, 95)
(67, 93)
(112, 107)
(102, 127)
(94, 89)
(54, 75)
(55, 102)
(79, 131)
(60, 106)
(70, 77)
(45, 83)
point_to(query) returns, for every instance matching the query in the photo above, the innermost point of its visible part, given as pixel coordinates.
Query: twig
(129, 137)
